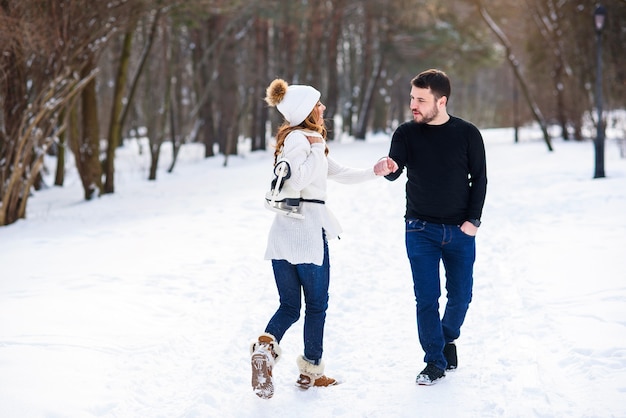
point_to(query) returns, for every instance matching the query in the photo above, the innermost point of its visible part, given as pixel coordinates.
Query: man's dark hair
(435, 80)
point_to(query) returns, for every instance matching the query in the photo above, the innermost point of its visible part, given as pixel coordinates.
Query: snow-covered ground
(143, 303)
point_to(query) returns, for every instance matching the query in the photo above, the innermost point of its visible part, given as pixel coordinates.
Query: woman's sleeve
(348, 175)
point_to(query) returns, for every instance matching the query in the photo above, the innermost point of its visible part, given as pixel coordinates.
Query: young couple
(446, 186)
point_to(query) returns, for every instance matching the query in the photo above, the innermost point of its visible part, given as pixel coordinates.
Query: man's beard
(427, 117)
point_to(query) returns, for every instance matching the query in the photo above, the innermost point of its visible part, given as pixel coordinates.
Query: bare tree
(515, 65)
(39, 127)
(259, 76)
(115, 130)
(227, 90)
(336, 12)
(48, 36)
(86, 147)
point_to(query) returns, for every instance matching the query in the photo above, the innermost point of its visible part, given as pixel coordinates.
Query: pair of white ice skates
(281, 198)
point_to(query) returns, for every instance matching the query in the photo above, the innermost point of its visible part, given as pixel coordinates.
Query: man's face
(423, 105)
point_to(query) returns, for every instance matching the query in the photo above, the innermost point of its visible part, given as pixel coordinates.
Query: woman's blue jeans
(313, 281)
(428, 244)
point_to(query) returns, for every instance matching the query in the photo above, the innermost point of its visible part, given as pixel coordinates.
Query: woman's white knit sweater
(300, 241)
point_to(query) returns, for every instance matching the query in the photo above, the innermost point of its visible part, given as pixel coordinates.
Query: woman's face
(320, 108)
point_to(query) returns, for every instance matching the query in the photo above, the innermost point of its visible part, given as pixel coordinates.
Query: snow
(143, 303)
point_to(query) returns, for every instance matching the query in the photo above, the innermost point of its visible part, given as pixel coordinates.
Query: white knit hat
(293, 102)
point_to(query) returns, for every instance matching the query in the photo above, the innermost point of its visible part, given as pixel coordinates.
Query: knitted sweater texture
(300, 241)
(446, 170)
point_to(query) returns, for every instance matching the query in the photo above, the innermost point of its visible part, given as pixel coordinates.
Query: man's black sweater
(446, 170)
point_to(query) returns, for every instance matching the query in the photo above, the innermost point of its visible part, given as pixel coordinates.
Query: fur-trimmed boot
(264, 353)
(312, 375)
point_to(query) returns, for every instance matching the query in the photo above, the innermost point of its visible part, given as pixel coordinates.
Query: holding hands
(385, 166)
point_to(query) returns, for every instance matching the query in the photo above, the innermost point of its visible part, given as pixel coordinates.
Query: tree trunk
(548, 23)
(368, 98)
(260, 79)
(176, 101)
(88, 156)
(14, 103)
(350, 69)
(207, 114)
(201, 80)
(228, 93)
(132, 88)
(59, 176)
(517, 71)
(366, 73)
(175, 135)
(155, 152)
(115, 128)
(73, 131)
(158, 106)
(312, 68)
(332, 94)
(287, 43)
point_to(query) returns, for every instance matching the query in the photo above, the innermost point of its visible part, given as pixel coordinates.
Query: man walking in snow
(445, 193)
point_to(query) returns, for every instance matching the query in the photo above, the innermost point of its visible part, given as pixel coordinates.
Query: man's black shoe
(449, 352)
(430, 375)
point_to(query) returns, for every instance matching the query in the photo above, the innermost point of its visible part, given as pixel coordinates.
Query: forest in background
(82, 76)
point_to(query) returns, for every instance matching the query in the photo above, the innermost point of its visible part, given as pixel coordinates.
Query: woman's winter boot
(312, 375)
(264, 353)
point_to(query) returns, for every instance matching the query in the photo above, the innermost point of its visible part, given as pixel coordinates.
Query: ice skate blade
(283, 211)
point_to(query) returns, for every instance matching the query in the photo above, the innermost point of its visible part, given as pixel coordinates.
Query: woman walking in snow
(297, 245)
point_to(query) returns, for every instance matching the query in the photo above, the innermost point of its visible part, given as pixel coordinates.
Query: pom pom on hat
(276, 92)
(293, 102)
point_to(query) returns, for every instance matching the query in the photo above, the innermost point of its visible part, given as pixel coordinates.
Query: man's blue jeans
(427, 244)
(313, 280)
